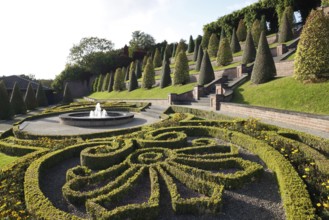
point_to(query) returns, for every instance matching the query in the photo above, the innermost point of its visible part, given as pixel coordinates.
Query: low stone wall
(285, 68)
(311, 121)
(79, 88)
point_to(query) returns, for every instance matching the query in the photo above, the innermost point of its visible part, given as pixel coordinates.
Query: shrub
(241, 32)
(224, 56)
(41, 96)
(264, 67)
(100, 83)
(205, 39)
(16, 100)
(133, 83)
(111, 82)
(106, 82)
(157, 58)
(6, 111)
(125, 72)
(138, 70)
(249, 52)
(148, 78)
(132, 67)
(206, 71)
(256, 31)
(181, 47)
(325, 3)
(174, 50)
(199, 60)
(235, 45)
(165, 74)
(94, 87)
(190, 47)
(285, 29)
(119, 84)
(312, 56)
(181, 73)
(213, 45)
(144, 61)
(67, 96)
(29, 99)
(196, 47)
(263, 24)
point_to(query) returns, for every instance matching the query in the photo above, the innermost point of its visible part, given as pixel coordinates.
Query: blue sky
(36, 35)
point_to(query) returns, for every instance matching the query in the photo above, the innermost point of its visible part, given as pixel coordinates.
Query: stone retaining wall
(285, 68)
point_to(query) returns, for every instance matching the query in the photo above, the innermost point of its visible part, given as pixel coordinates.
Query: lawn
(154, 93)
(286, 93)
(5, 159)
(291, 57)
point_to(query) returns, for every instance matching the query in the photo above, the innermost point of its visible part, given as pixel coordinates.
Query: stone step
(158, 107)
(150, 114)
(200, 104)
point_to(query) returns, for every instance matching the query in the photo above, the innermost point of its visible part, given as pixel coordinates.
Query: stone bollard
(171, 98)
(281, 49)
(198, 92)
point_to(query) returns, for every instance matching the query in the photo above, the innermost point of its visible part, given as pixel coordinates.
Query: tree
(241, 31)
(181, 73)
(125, 72)
(111, 82)
(256, 31)
(249, 52)
(119, 84)
(196, 47)
(213, 45)
(141, 41)
(235, 45)
(29, 99)
(285, 29)
(157, 58)
(144, 62)
(312, 56)
(205, 39)
(100, 83)
(138, 69)
(95, 82)
(206, 71)
(67, 96)
(106, 82)
(6, 111)
(181, 47)
(190, 48)
(263, 24)
(41, 96)
(225, 56)
(325, 3)
(174, 50)
(165, 74)
(133, 83)
(148, 78)
(199, 60)
(264, 68)
(16, 101)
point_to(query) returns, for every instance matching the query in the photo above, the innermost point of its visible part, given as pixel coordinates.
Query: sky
(36, 35)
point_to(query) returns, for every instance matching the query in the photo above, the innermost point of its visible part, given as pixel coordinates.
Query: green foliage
(190, 48)
(285, 30)
(41, 96)
(249, 52)
(235, 45)
(225, 55)
(263, 24)
(119, 83)
(133, 83)
(140, 41)
(256, 30)
(29, 99)
(94, 86)
(106, 82)
(111, 82)
(138, 69)
(199, 60)
(206, 71)
(16, 100)
(165, 74)
(196, 47)
(181, 72)
(132, 68)
(205, 39)
(145, 58)
(157, 60)
(312, 56)
(174, 50)
(181, 47)
(67, 96)
(100, 83)
(126, 72)
(324, 3)
(148, 79)
(241, 32)
(264, 68)
(213, 45)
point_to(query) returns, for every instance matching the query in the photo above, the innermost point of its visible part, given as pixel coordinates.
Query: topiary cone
(165, 75)
(235, 45)
(29, 99)
(6, 111)
(249, 52)
(16, 101)
(199, 60)
(206, 71)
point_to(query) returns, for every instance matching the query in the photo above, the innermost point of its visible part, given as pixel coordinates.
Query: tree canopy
(141, 41)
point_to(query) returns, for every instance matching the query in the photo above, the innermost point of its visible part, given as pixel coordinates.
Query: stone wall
(285, 68)
(79, 88)
(296, 118)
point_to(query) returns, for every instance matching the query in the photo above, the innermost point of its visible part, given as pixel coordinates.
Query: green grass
(154, 93)
(291, 57)
(286, 93)
(216, 68)
(5, 159)
(237, 54)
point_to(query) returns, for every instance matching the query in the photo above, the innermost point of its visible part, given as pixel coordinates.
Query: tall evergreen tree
(133, 83)
(132, 68)
(41, 96)
(145, 58)
(168, 52)
(67, 96)
(205, 39)
(106, 82)
(157, 59)
(235, 45)
(263, 24)
(190, 48)
(138, 69)
(222, 36)
(100, 83)
(111, 82)
(206, 71)
(148, 78)
(196, 47)
(119, 84)
(213, 45)
(95, 82)
(285, 29)
(264, 68)
(165, 74)
(174, 50)
(6, 111)
(241, 31)
(225, 56)
(249, 52)
(181, 72)
(256, 31)
(199, 60)
(29, 99)
(180, 47)
(127, 73)
(17, 101)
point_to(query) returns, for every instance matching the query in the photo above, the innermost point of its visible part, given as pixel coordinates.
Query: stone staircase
(203, 101)
(154, 111)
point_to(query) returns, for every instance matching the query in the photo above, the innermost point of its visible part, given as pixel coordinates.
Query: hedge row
(197, 112)
(150, 156)
(16, 150)
(171, 139)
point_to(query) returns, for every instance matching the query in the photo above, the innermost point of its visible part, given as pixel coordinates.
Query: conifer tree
(100, 83)
(138, 69)
(124, 71)
(190, 48)
(249, 52)
(174, 50)
(181, 72)
(168, 52)
(165, 74)
(285, 29)
(17, 101)
(199, 60)
(196, 47)
(157, 58)
(6, 111)
(67, 96)
(119, 84)
(148, 78)
(225, 56)
(145, 58)
(241, 32)
(132, 68)
(264, 68)
(222, 36)
(106, 82)
(111, 82)
(235, 45)
(213, 45)
(133, 83)
(95, 82)
(263, 24)
(41, 96)
(256, 31)
(180, 47)
(205, 39)
(29, 99)
(206, 71)
(127, 73)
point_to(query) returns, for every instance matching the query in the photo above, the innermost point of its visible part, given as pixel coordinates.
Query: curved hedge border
(16, 150)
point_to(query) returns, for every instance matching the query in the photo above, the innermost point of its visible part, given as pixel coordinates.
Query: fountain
(96, 118)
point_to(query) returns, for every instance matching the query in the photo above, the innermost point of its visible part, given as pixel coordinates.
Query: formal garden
(185, 163)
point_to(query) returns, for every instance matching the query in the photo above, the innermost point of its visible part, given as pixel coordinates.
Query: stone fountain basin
(82, 119)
